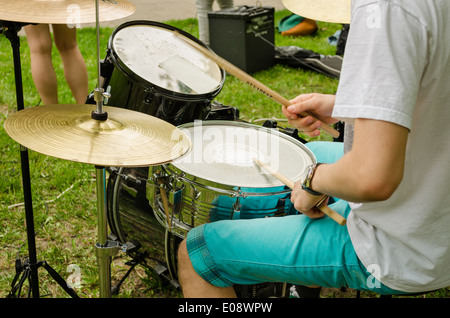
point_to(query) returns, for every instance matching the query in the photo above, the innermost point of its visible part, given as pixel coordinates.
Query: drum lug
(150, 94)
(177, 201)
(171, 194)
(236, 210)
(107, 95)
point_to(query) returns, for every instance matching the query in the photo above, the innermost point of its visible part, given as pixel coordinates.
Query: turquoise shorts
(292, 249)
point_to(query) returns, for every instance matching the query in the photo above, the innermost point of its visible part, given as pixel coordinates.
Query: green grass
(66, 224)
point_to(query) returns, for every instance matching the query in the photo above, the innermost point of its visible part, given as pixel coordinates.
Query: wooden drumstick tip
(322, 206)
(275, 174)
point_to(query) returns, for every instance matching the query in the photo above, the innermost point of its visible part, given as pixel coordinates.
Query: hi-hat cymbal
(126, 139)
(71, 12)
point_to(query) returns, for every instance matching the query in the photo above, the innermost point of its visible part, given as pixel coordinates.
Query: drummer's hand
(319, 104)
(305, 202)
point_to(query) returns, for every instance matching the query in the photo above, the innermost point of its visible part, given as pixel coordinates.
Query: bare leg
(203, 7)
(44, 76)
(192, 284)
(75, 70)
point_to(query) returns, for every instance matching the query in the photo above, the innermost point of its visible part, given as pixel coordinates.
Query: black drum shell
(131, 91)
(133, 223)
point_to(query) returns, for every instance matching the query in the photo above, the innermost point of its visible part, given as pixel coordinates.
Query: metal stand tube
(101, 205)
(104, 249)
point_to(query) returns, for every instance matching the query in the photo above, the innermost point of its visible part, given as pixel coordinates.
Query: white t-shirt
(397, 68)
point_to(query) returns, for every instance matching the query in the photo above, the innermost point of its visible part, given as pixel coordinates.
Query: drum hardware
(104, 248)
(115, 289)
(107, 95)
(293, 132)
(222, 112)
(132, 248)
(165, 202)
(128, 178)
(24, 268)
(140, 258)
(163, 182)
(235, 212)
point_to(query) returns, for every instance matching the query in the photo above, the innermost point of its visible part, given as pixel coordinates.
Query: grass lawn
(64, 195)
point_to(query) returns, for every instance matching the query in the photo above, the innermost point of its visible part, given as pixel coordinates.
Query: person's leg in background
(203, 7)
(44, 76)
(75, 70)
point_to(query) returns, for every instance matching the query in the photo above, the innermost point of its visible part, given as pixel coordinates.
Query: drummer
(44, 76)
(394, 98)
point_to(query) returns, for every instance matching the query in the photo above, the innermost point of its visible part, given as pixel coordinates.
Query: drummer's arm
(372, 170)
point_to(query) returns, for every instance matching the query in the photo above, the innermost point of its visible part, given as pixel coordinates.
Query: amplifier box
(244, 36)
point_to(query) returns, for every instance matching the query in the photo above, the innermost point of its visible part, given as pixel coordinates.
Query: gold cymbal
(126, 139)
(69, 12)
(335, 11)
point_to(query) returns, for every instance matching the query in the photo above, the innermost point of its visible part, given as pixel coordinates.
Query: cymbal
(335, 11)
(69, 12)
(126, 139)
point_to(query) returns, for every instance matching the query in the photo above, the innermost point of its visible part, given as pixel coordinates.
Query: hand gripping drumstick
(233, 70)
(321, 206)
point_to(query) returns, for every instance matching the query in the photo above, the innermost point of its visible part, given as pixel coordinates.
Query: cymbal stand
(105, 248)
(29, 269)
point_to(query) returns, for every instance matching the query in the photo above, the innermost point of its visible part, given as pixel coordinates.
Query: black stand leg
(11, 30)
(115, 289)
(23, 271)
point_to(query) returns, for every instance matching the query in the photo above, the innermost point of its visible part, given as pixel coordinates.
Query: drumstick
(321, 206)
(233, 70)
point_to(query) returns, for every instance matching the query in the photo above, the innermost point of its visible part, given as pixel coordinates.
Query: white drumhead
(164, 59)
(224, 152)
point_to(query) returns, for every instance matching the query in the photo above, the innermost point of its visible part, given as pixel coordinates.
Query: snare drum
(151, 70)
(219, 178)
